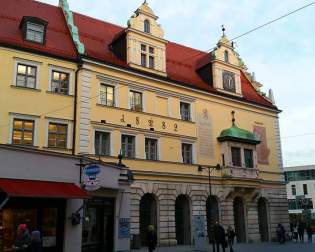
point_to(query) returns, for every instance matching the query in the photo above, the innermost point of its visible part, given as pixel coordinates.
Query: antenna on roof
(145, 2)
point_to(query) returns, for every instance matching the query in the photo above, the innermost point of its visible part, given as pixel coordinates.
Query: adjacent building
(76, 86)
(301, 192)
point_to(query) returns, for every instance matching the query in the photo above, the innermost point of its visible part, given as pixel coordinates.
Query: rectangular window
(57, 135)
(185, 111)
(107, 94)
(236, 156)
(248, 157)
(305, 191)
(151, 62)
(26, 76)
(143, 60)
(151, 149)
(293, 188)
(128, 146)
(147, 56)
(135, 99)
(60, 82)
(35, 32)
(102, 143)
(187, 153)
(23, 132)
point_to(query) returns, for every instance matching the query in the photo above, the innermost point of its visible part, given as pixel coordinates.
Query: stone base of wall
(166, 194)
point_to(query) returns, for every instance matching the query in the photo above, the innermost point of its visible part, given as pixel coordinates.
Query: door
(239, 220)
(263, 220)
(182, 219)
(212, 207)
(98, 225)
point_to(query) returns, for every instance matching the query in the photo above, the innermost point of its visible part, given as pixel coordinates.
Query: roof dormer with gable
(146, 47)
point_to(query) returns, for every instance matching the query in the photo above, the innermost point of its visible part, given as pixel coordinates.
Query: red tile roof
(181, 65)
(97, 35)
(58, 39)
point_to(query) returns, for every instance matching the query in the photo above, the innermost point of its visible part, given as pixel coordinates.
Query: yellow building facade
(172, 112)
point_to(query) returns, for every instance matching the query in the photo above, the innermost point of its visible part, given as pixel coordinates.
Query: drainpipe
(79, 67)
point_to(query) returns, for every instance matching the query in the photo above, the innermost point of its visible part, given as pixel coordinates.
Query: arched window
(147, 26)
(226, 56)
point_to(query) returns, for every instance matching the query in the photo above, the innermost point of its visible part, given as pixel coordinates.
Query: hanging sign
(90, 177)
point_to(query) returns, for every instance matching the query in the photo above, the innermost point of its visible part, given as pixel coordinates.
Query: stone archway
(263, 219)
(148, 215)
(213, 216)
(182, 220)
(239, 219)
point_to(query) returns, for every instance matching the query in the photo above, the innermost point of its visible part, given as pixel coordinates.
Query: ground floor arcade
(253, 211)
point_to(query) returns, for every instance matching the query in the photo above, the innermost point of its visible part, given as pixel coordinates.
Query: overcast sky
(282, 55)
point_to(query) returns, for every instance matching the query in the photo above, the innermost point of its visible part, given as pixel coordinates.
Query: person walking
(23, 239)
(36, 242)
(231, 236)
(219, 237)
(151, 239)
(280, 233)
(301, 230)
(295, 235)
(309, 232)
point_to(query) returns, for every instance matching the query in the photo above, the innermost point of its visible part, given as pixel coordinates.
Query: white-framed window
(61, 80)
(293, 189)
(147, 56)
(187, 153)
(107, 95)
(305, 190)
(102, 143)
(151, 148)
(185, 111)
(23, 129)
(58, 133)
(26, 73)
(135, 100)
(35, 32)
(128, 146)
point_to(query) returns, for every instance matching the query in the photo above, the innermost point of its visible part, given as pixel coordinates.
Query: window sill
(26, 88)
(56, 148)
(103, 105)
(54, 93)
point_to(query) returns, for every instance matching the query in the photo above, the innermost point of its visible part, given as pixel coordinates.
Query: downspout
(75, 105)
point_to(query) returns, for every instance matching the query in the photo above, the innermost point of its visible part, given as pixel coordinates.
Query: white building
(300, 184)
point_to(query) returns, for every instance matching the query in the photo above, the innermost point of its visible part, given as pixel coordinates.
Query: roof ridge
(188, 47)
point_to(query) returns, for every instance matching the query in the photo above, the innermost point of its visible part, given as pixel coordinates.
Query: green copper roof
(236, 134)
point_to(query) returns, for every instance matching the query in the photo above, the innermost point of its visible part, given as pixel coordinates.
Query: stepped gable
(58, 39)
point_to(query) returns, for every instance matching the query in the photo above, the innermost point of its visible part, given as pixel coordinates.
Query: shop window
(236, 156)
(293, 188)
(128, 146)
(107, 94)
(305, 191)
(151, 149)
(187, 153)
(135, 99)
(102, 143)
(57, 135)
(248, 157)
(185, 111)
(23, 132)
(26, 76)
(60, 82)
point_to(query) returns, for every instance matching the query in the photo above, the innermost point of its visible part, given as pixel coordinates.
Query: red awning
(41, 189)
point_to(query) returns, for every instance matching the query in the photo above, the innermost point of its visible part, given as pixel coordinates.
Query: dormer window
(147, 56)
(34, 29)
(226, 56)
(146, 26)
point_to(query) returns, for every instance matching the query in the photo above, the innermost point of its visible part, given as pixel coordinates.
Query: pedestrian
(301, 230)
(23, 238)
(231, 236)
(151, 239)
(36, 241)
(280, 233)
(219, 237)
(295, 233)
(309, 232)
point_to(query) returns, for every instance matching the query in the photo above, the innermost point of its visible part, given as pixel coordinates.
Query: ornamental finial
(233, 117)
(223, 30)
(145, 2)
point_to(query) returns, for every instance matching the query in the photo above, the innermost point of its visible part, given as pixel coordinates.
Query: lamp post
(210, 170)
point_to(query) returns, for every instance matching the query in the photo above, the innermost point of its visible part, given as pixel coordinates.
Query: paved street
(261, 247)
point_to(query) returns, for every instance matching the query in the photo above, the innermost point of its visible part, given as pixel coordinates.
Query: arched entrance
(239, 219)
(263, 219)
(148, 216)
(212, 207)
(182, 219)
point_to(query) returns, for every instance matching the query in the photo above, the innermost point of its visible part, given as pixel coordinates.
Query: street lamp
(210, 170)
